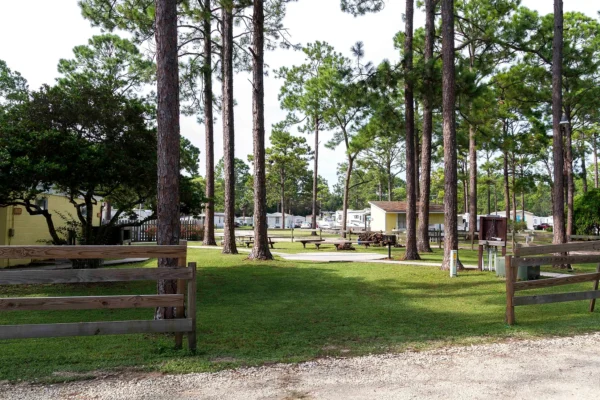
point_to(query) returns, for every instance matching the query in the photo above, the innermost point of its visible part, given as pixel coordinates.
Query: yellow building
(387, 216)
(18, 228)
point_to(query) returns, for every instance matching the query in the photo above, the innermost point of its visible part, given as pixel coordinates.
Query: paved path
(557, 368)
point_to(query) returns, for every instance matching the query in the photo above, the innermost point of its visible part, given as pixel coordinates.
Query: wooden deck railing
(185, 276)
(550, 255)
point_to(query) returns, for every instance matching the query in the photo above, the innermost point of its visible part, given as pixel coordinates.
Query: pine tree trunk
(570, 179)
(465, 190)
(595, 143)
(260, 250)
(390, 181)
(346, 194)
(449, 130)
(229, 245)
(209, 211)
(315, 179)
(584, 172)
(489, 193)
(505, 172)
(409, 103)
(557, 145)
(417, 155)
(523, 203)
(423, 228)
(506, 186)
(473, 185)
(514, 192)
(167, 76)
(282, 200)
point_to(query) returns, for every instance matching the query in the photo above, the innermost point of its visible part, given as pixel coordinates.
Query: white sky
(35, 34)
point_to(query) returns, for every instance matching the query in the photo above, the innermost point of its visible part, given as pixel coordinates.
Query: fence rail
(184, 275)
(550, 255)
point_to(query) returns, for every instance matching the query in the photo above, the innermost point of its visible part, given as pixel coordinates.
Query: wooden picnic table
(337, 243)
(251, 241)
(305, 241)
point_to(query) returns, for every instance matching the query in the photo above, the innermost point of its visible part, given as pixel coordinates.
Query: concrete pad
(340, 256)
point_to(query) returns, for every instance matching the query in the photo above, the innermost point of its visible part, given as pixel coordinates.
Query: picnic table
(249, 242)
(339, 244)
(305, 241)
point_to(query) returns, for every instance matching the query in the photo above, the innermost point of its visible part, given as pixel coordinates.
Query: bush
(586, 213)
(195, 233)
(151, 232)
(517, 226)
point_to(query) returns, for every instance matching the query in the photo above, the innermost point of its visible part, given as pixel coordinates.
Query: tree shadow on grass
(254, 313)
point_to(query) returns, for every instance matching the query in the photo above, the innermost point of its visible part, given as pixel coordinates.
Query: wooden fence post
(593, 301)
(510, 291)
(181, 283)
(191, 307)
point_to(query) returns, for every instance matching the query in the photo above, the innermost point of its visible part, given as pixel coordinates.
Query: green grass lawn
(466, 256)
(252, 313)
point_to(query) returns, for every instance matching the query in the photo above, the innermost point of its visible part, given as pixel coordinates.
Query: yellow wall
(32, 229)
(391, 220)
(386, 222)
(437, 218)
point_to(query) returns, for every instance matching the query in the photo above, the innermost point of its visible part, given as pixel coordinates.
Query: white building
(355, 219)
(530, 219)
(245, 221)
(219, 219)
(275, 220)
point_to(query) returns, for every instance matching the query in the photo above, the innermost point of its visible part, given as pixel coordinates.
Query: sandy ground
(558, 368)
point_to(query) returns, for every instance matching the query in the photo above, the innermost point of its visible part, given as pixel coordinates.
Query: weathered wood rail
(550, 255)
(185, 276)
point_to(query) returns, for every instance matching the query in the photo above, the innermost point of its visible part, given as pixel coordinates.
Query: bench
(250, 242)
(185, 276)
(305, 241)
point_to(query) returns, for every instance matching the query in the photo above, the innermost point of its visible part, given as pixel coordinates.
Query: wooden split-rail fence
(184, 274)
(550, 255)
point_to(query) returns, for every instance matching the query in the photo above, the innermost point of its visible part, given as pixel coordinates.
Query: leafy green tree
(80, 141)
(13, 87)
(109, 61)
(306, 101)
(385, 154)
(286, 161)
(241, 176)
(479, 24)
(587, 213)
(347, 94)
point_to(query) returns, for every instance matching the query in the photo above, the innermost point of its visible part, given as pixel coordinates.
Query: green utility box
(523, 273)
(528, 273)
(501, 267)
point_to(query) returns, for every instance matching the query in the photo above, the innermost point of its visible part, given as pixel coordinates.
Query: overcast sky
(35, 34)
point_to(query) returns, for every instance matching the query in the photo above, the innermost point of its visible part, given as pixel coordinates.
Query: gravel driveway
(557, 368)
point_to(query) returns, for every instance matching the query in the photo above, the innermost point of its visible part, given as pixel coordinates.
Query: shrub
(194, 233)
(586, 212)
(517, 226)
(151, 232)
